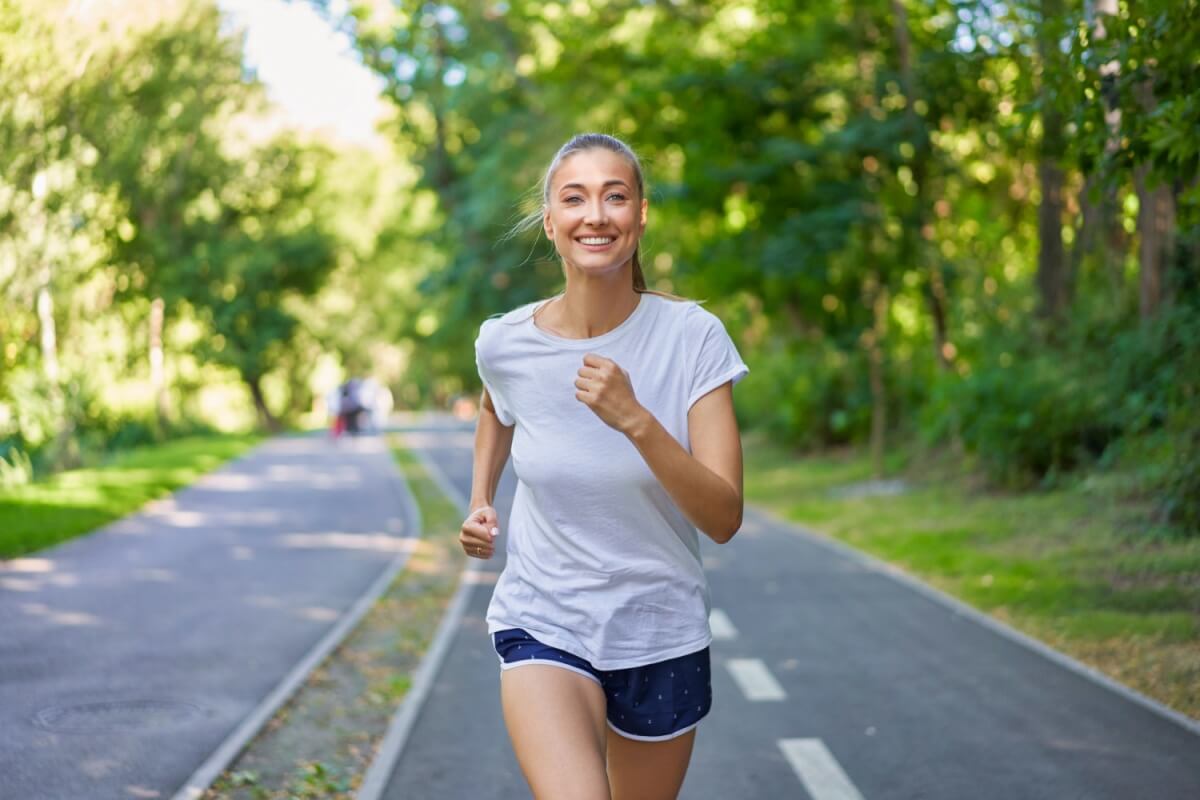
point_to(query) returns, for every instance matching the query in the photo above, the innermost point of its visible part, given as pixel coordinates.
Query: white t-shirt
(601, 562)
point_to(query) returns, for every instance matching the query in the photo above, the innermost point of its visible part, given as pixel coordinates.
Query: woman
(617, 407)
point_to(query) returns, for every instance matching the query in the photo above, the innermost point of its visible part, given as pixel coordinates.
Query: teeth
(596, 239)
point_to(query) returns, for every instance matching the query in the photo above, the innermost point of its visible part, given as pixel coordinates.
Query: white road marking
(755, 680)
(818, 770)
(722, 628)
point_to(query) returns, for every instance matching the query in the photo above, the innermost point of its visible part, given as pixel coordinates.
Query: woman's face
(595, 216)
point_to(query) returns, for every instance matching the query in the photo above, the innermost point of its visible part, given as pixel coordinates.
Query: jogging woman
(616, 405)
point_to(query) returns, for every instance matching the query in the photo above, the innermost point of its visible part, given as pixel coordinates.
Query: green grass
(1077, 566)
(75, 502)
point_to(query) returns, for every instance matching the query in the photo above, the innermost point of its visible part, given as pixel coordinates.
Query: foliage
(868, 193)
(153, 224)
(1143, 65)
(1181, 491)
(1026, 416)
(864, 176)
(825, 404)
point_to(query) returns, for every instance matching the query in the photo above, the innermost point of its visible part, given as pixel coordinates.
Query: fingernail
(495, 532)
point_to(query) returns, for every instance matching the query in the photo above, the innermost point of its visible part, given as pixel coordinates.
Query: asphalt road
(832, 681)
(127, 656)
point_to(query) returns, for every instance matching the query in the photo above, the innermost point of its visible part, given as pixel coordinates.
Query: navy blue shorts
(651, 703)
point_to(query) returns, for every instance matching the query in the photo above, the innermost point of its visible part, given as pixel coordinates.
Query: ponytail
(639, 279)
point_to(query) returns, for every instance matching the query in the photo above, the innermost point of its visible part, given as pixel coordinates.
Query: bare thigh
(640, 770)
(555, 718)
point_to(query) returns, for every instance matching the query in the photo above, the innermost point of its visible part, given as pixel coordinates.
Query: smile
(596, 240)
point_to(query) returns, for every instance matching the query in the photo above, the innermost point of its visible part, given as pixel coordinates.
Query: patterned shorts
(651, 703)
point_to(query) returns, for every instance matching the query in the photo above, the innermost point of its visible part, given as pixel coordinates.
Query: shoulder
(674, 310)
(499, 330)
(685, 318)
(697, 320)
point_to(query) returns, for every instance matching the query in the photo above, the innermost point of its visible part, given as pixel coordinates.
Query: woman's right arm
(493, 443)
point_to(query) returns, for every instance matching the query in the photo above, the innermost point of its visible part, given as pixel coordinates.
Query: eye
(572, 199)
(616, 197)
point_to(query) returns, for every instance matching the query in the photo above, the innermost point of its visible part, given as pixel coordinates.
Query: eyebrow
(613, 182)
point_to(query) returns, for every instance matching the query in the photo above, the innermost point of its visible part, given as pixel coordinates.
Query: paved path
(128, 655)
(864, 686)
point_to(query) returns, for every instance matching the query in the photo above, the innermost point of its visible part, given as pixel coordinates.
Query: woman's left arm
(706, 484)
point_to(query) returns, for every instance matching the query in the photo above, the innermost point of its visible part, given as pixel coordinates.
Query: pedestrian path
(127, 657)
(833, 680)
(458, 746)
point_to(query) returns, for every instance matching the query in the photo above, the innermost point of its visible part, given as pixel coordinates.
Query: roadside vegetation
(67, 504)
(970, 225)
(320, 744)
(973, 223)
(1074, 566)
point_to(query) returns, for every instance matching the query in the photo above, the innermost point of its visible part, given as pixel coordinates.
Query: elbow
(723, 533)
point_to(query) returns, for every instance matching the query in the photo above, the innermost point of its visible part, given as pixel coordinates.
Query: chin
(599, 263)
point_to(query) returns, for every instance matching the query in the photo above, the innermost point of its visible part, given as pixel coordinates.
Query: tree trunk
(1098, 233)
(443, 174)
(873, 339)
(265, 418)
(49, 334)
(1051, 279)
(158, 380)
(1156, 224)
(914, 232)
(44, 299)
(944, 350)
(1156, 227)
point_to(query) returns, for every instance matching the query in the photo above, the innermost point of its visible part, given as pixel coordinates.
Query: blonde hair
(577, 144)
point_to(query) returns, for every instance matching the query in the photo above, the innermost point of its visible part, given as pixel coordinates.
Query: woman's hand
(605, 388)
(479, 532)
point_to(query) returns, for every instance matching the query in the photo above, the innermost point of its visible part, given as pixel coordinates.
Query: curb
(229, 749)
(390, 749)
(994, 625)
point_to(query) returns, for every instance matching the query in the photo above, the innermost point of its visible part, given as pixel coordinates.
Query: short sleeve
(494, 383)
(713, 358)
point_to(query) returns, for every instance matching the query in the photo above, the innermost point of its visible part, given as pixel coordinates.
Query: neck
(594, 305)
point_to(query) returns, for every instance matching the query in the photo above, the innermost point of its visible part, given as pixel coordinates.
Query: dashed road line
(818, 770)
(755, 680)
(721, 627)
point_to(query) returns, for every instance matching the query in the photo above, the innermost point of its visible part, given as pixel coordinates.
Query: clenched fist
(479, 532)
(605, 388)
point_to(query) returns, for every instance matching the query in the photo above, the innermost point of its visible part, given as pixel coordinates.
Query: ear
(546, 225)
(645, 205)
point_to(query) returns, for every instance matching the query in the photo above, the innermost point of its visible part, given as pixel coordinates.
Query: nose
(595, 213)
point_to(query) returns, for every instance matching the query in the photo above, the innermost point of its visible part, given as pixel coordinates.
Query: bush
(1181, 484)
(16, 469)
(47, 429)
(1034, 411)
(1025, 418)
(1181, 488)
(36, 412)
(811, 394)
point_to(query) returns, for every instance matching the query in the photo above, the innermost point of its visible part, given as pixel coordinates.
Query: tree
(268, 253)
(1051, 271)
